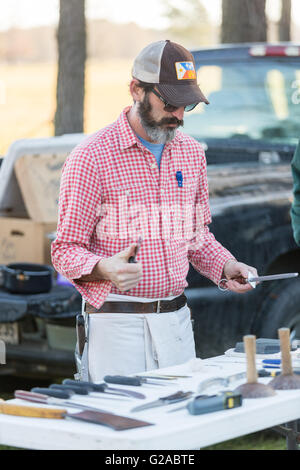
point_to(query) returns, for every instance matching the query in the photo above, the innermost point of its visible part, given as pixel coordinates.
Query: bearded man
(141, 177)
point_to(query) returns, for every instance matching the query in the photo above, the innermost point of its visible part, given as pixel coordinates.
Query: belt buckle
(158, 307)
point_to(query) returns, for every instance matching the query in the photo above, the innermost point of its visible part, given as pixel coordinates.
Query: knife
(135, 381)
(47, 400)
(116, 422)
(67, 391)
(132, 259)
(30, 411)
(202, 404)
(103, 388)
(164, 377)
(225, 381)
(168, 400)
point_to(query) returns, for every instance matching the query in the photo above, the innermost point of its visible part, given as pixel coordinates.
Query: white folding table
(177, 430)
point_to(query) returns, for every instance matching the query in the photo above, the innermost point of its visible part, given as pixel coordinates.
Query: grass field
(28, 98)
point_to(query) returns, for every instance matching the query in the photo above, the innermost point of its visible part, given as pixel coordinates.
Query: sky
(28, 13)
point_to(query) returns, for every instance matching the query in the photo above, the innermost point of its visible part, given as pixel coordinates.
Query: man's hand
(237, 273)
(116, 269)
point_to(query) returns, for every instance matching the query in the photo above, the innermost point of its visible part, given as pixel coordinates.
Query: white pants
(124, 344)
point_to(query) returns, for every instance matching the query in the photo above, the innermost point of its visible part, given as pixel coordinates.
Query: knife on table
(165, 377)
(168, 400)
(135, 381)
(50, 400)
(104, 388)
(226, 381)
(116, 422)
(69, 391)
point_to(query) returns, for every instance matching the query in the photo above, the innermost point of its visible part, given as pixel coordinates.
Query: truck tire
(281, 308)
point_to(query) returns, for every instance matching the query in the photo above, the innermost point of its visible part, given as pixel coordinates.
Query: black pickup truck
(249, 131)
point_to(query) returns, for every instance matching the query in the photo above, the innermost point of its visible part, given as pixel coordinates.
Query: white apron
(126, 344)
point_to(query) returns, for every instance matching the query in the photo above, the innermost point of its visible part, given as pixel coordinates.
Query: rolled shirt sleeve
(79, 209)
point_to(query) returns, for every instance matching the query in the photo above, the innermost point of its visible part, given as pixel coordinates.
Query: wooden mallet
(252, 388)
(287, 380)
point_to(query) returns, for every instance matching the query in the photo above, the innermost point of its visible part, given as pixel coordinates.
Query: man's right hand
(116, 269)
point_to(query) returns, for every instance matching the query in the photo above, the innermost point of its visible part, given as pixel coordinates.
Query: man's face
(159, 124)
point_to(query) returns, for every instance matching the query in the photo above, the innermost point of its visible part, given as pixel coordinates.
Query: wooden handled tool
(30, 411)
(252, 388)
(119, 423)
(287, 380)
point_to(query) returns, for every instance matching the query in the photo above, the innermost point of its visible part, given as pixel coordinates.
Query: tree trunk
(71, 38)
(243, 21)
(285, 21)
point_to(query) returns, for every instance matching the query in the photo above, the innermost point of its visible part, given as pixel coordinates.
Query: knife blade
(104, 388)
(272, 277)
(222, 381)
(168, 400)
(225, 381)
(89, 390)
(165, 377)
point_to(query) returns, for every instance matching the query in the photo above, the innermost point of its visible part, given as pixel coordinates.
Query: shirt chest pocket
(184, 194)
(129, 195)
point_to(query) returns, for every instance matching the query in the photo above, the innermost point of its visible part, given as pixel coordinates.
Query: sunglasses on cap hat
(169, 107)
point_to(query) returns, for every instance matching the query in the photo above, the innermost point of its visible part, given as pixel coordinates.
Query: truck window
(255, 99)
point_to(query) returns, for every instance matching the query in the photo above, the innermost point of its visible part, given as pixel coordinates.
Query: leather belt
(160, 306)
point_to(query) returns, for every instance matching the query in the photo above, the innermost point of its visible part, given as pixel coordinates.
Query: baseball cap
(171, 68)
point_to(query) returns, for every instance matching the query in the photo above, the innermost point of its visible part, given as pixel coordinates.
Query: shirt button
(153, 165)
(171, 270)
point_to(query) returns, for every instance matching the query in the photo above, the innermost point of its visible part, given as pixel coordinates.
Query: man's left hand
(237, 274)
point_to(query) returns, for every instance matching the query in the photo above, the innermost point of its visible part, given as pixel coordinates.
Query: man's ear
(136, 91)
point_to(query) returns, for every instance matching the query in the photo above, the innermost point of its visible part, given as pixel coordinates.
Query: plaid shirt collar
(127, 137)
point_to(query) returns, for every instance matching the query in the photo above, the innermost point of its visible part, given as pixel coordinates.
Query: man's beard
(156, 130)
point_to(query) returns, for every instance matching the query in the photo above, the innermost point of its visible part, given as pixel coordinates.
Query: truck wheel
(281, 308)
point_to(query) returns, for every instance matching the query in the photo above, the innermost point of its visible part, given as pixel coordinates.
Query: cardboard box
(39, 176)
(24, 240)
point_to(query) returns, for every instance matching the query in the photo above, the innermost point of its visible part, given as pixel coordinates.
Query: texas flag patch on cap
(185, 70)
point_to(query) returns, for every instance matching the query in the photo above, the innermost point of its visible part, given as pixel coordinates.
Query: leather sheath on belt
(161, 306)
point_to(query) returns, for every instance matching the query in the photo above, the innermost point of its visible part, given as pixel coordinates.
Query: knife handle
(90, 386)
(31, 411)
(52, 392)
(31, 396)
(68, 389)
(123, 380)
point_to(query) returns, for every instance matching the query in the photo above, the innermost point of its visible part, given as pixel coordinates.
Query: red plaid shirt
(112, 168)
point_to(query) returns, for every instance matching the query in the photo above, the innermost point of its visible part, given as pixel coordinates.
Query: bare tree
(71, 36)
(188, 22)
(284, 26)
(243, 21)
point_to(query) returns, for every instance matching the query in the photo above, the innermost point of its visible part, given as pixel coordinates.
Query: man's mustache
(166, 121)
